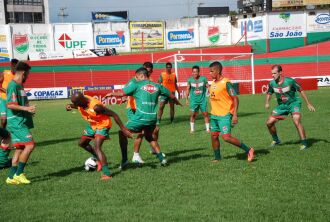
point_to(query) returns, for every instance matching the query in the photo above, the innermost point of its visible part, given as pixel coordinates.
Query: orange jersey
(97, 121)
(7, 77)
(221, 102)
(168, 81)
(131, 104)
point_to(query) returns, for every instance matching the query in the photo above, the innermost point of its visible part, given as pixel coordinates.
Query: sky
(138, 10)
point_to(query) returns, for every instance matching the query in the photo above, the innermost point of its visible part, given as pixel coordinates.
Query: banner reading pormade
(147, 34)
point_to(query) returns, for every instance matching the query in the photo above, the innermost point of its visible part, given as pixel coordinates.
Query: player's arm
(2, 75)
(176, 87)
(304, 96)
(99, 109)
(160, 80)
(232, 93)
(166, 92)
(187, 93)
(12, 102)
(69, 107)
(117, 94)
(269, 94)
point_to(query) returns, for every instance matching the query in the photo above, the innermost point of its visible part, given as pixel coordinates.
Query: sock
(217, 155)
(172, 118)
(158, 121)
(123, 156)
(136, 154)
(244, 147)
(105, 170)
(160, 156)
(192, 126)
(207, 125)
(12, 172)
(275, 138)
(20, 168)
(304, 142)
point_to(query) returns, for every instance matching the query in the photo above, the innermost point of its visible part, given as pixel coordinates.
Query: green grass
(282, 184)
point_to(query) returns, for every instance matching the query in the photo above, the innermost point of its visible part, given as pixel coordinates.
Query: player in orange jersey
(169, 81)
(5, 78)
(98, 116)
(224, 106)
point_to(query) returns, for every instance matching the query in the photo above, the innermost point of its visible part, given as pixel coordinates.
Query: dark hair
(279, 68)
(142, 70)
(13, 62)
(168, 64)
(148, 65)
(22, 66)
(195, 67)
(216, 63)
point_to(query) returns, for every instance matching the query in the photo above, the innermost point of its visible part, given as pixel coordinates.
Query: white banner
(83, 53)
(214, 31)
(47, 93)
(5, 43)
(118, 40)
(323, 80)
(287, 25)
(50, 55)
(181, 38)
(319, 22)
(255, 29)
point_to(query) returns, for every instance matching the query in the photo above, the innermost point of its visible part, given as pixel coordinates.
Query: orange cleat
(99, 166)
(106, 177)
(251, 155)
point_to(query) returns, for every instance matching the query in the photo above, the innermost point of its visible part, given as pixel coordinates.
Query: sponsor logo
(111, 40)
(252, 26)
(149, 88)
(213, 34)
(296, 109)
(322, 19)
(21, 43)
(180, 36)
(288, 34)
(285, 16)
(66, 42)
(224, 128)
(323, 81)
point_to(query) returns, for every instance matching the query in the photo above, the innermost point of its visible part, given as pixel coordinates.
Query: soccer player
(169, 81)
(5, 161)
(196, 92)
(285, 89)
(224, 106)
(144, 120)
(98, 116)
(19, 121)
(5, 78)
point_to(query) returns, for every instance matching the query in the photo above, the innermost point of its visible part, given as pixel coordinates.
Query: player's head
(22, 69)
(168, 67)
(215, 69)
(276, 72)
(78, 99)
(195, 71)
(141, 74)
(13, 63)
(149, 66)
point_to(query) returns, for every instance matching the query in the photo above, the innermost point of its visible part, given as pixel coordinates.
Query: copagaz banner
(47, 93)
(181, 38)
(287, 25)
(320, 22)
(147, 34)
(214, 31)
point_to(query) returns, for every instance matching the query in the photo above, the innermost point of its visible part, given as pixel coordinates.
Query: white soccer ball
(91, 164)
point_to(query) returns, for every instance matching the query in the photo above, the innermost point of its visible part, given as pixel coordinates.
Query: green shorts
(221, 124)
(21, 136)
(3, 108)
(165, 99)
(5, 161)
(138, 125)
(283, 110)
(195, 107)
(92, 134)
(130, 113)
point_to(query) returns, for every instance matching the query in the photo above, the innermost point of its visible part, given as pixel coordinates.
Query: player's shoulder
(272, 82)
(289, 79)
(12, 83)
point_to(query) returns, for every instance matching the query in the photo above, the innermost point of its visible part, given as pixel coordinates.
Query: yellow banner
(148, 34)
(287, 3)
(316, 2)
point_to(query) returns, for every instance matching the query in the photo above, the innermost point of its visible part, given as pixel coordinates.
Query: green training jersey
(198, 89)
(146, 95)
(18, 118)
(285, 92)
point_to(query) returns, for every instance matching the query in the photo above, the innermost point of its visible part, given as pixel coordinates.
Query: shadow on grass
(242, 156)
(310, 141)
(61, 173)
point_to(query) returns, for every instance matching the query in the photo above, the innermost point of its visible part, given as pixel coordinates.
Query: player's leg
(5, 138)
(296, 117)
(215, 132)
(193, 115)
(98, 142)
(278, 113)
(203, 108)
(148, 131)
(14, 164)
(88, 135)
(225, 128)
(84, 143)
(137, 145)
(172, 110)
(162, 104)
(3, 113)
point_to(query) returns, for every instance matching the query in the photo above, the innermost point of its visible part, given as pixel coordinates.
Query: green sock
(12, 172)
(105, 170)
(244, 147)
(304, 142)
(160, 156)
(217, 155)
(20, 168)
(275, 138)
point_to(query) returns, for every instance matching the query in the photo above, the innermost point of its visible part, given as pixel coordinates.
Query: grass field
(282, 184)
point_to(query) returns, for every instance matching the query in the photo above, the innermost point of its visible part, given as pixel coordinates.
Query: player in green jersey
(144, 120)
(196, 98)
(5, 161)
(285, 89)
(19, 123)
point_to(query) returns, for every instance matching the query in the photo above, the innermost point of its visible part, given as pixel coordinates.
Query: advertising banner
(147, 34)
(287, 3)
(50, 55)
(118, 40)
(319, 22)
(100, 95)
(118, 16)
(255, 28)
(72, 90)
(214, 31)
(316, 2)
(4, 44)
(69, 41)
(181, 38)
(47, 93)
(323, 80)
(287, 25)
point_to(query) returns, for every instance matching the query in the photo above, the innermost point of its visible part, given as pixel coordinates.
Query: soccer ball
(91, 164)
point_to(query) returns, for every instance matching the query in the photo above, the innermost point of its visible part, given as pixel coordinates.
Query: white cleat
(137, 159)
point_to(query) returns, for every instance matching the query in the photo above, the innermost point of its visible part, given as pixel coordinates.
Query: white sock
(136, 154)
(192, 126)
(207, 125)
